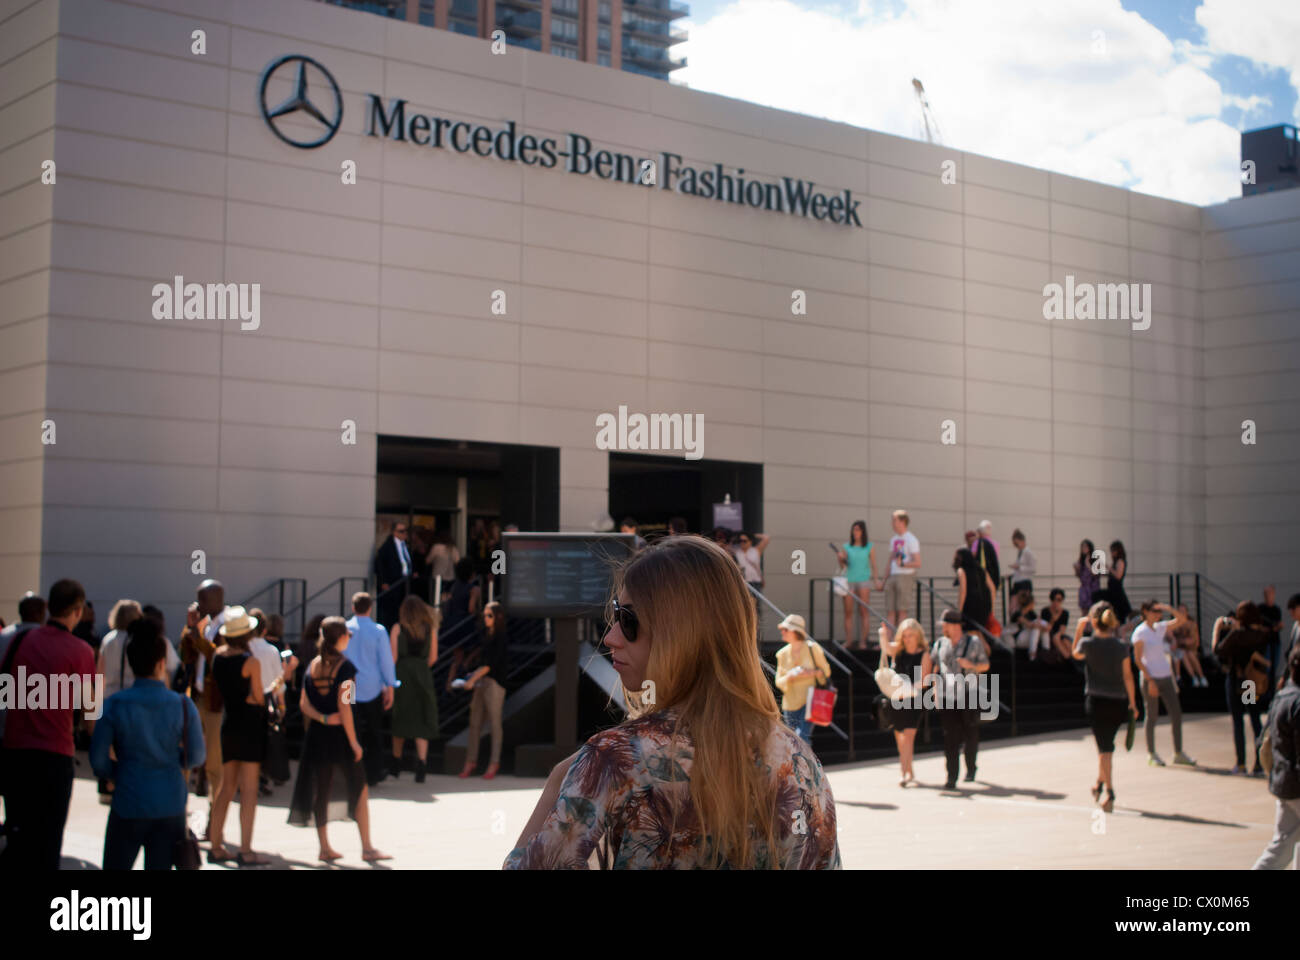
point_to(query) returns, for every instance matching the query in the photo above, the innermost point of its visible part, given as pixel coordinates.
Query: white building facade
(465, 288)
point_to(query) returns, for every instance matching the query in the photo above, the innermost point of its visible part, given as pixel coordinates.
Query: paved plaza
(1030, 808)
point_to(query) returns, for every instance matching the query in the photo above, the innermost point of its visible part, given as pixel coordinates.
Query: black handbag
(884, 712)
(185, 855)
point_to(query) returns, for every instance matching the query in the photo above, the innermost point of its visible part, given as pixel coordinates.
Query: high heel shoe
(1096, 791)
(1109, 805)
(467, 771)
(491, 771)
(421, 768)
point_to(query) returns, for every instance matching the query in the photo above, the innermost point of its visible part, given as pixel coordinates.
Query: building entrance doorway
(653, 489)
(456, 496)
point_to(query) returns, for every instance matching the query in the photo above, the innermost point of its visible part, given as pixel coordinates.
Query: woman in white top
(1151, 652)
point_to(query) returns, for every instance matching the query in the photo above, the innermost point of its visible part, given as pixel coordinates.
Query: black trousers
(125, 836)
(369, 718)
(38, 792)
(961, 728)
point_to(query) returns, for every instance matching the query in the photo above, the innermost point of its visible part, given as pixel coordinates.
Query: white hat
(237, 623)
(794, 622)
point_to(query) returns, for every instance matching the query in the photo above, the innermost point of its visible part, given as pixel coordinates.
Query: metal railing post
(812, 607)
(853, 708)
(1200, 630)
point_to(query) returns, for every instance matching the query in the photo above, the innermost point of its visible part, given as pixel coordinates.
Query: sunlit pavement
(1030, 807)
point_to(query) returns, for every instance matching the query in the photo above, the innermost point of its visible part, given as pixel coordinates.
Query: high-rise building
(632, 35)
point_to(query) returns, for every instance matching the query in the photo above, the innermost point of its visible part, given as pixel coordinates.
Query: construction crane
(928, 120)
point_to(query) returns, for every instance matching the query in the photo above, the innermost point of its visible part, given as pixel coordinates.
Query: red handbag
(994, 627)
(821, 700)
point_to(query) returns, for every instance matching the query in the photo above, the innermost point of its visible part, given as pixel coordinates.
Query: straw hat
(237, 623)
(794, 622)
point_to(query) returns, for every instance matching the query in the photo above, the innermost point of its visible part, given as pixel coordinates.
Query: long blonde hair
(912, 624)
(691, 599)
(419, 619)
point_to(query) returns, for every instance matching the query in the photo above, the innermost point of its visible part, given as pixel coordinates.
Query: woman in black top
(911, 655)
(331, 781)
(238, 676)
(1115, 592)
(973, 595)
(1110, 691)
(488, 686)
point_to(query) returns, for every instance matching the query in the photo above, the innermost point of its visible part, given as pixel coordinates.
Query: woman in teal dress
(415, 702)
(860, 572)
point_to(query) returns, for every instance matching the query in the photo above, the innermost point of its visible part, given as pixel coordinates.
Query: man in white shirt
(1151, 652)
(904, 561)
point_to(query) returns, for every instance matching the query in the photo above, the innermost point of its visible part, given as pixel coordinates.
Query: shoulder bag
(821, 700)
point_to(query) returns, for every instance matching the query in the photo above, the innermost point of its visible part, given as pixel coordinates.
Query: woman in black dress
(238, 676)
(911, 655)
(1115, 592)
(331, 781)
(974, 598)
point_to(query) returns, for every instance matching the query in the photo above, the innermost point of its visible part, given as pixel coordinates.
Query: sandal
(251, 859)
(224, 856)
(372, 855)
(330, 857)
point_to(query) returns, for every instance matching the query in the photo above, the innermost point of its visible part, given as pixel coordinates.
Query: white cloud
(1078, 86)
(1265, 31)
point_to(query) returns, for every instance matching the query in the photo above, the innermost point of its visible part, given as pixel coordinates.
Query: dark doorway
(652, 489)
(465, 491)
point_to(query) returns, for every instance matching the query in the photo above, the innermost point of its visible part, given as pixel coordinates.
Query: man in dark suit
(392, 563)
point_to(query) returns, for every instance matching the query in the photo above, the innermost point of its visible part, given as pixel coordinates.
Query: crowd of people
(683, 614)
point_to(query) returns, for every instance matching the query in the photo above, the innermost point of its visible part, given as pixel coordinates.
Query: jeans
(794, 719)
(38, 791)
(369, 718)
(1282, 849)
(489, 700)
(1232, 687)
(125, 836)
(1168, 692)
(961, 728)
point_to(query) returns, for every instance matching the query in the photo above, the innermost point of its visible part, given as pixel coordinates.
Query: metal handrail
(831, 659)
(306, 602)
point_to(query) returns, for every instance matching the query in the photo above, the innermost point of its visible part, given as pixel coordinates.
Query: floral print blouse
(618, 797)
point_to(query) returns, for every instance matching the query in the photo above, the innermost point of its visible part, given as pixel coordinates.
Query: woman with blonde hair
(708, 775)
(415, 704)
(1111, 691)
(911, 653)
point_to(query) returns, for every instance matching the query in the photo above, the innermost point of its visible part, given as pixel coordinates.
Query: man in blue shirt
(370, 650)
(145, 725)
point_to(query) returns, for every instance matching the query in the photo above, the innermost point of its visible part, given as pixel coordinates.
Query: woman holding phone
(860, 573)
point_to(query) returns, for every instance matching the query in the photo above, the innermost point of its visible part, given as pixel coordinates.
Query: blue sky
(1147, 94)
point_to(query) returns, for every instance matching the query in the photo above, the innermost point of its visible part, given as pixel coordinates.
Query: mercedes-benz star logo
(298, 101)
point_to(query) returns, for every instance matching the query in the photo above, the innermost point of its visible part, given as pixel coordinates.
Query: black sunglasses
(626, 619)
